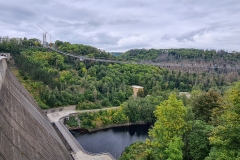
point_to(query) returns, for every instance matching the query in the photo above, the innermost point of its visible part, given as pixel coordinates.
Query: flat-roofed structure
(135, 90)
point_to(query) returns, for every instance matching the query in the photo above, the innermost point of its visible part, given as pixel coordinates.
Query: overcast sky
(120, 25)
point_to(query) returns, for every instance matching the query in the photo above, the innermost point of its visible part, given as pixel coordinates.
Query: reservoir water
(112, 140)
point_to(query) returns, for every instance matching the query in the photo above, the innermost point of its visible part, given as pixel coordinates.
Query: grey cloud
(123, 22)
(131, 4)
(95, 22)
(126, 24)
(128, 47)
(190, 35)
(105, 38)
(14, 15)
(166, 37)
(97, 39)
(63, 23)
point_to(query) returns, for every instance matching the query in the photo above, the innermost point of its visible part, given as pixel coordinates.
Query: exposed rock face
(25, 133)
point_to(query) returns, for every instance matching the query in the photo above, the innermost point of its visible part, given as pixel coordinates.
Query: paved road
(78, 152)
(56, 116)
(96, 110)
(65, 111)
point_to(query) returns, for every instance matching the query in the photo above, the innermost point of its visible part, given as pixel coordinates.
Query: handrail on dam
(3, 67)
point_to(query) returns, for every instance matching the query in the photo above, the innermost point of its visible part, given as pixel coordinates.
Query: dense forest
(208, 130)
(204, 126)
(83, 50)
(64, 81)
(211, 57)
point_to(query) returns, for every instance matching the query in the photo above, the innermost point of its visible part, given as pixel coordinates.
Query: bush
(72, 122)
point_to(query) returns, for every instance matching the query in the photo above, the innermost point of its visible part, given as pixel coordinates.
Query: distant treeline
(80, 49)
(219, 57)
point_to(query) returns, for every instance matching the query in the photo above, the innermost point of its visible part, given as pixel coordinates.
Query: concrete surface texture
(25, 133)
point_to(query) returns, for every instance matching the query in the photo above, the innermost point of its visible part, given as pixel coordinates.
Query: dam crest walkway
(78, 152)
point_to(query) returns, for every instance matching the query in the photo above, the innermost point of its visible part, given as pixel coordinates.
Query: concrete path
(96, 110)
(78, 152)
(72, 107)
(57, 116)
(66, 111)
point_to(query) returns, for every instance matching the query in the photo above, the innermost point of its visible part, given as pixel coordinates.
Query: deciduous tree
(204, 103)
(225, 138)
(166, 135)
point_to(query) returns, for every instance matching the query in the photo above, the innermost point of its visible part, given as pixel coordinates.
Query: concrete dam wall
(25, 133)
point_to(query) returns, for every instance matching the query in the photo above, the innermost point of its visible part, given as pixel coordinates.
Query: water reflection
(112, 140)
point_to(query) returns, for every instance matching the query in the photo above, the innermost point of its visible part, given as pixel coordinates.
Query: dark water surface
(112, 140)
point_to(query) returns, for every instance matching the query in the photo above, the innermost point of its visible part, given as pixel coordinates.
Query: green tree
(204, 103)
(225, 137)
(141, 109)
(168, 130)
(174, 149)
(198, 145)
(135, 151)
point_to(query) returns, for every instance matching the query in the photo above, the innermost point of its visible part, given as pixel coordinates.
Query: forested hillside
(204, 126)
(83, 50)
(59, 80)
(183, 56)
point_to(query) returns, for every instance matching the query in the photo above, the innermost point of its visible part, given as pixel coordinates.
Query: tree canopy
(166, 135)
